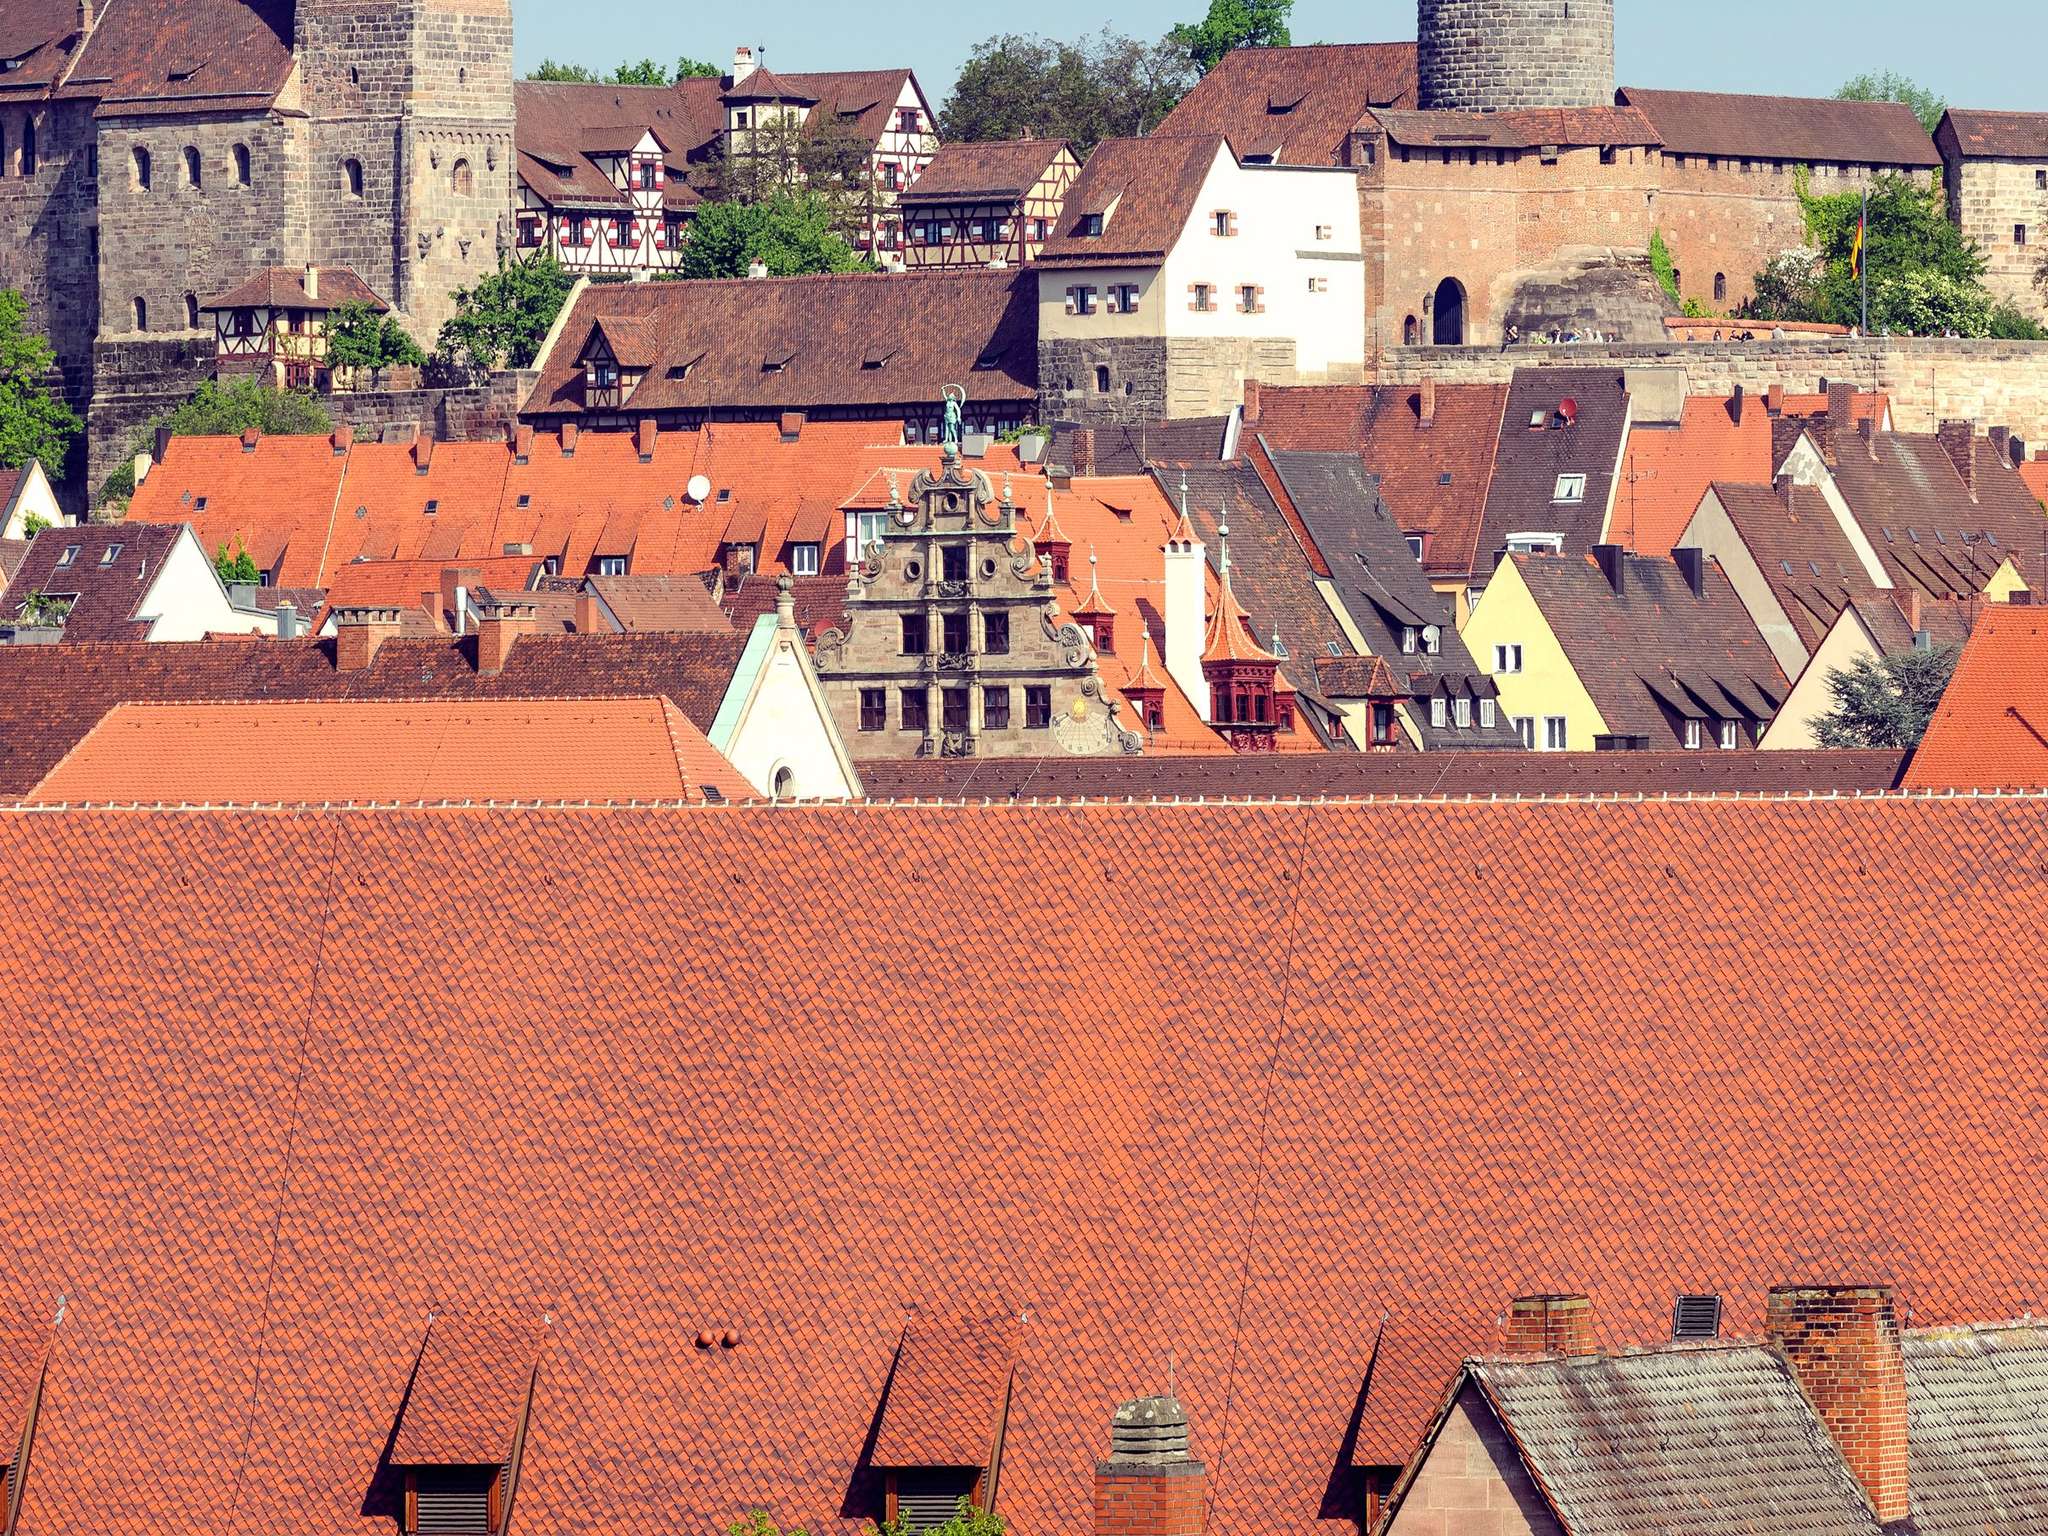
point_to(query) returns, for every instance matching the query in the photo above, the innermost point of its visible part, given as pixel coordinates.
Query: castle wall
(136, 380)
(1929, 380)
(1991, 200)
(48, 231)
(1493, 55)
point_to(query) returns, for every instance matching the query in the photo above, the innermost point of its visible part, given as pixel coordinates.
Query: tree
(1887, 702)
(967, 1519)
(791, 232)
(1890, 85)
(1094, 88)
(1232, 24)
(503, 320)
(631, 72)
(573, 73)
(35, 423)
(696, 69)
(359, 337)
(237, 567)
(639, 72)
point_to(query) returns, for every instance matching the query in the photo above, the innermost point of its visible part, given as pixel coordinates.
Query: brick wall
(1843, 1345)
(1995, 383)
(1490, 55)
(1133, 1499)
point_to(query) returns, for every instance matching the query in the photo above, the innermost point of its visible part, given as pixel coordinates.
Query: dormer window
(940, 1435)
(804, 559)
(1439, 712)
(462, 1426)
(1410, 638)
(1570, 490)
(1432, 639)
(1091, 226)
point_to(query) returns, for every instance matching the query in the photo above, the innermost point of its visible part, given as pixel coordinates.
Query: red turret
(1096, 616)
(1147, 690)
(1241, 673)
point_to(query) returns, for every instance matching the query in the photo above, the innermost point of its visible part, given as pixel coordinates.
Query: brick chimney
(644, 434)
(1425, 404)
(1774, 400)
(1252, 402)
(312, 281)
(499, 627)
(1842, 1342)
(343, 439)
(590, 614)
(1613, 566)
(1737, 402)
(568, 439)
(2001, 445)
(1959, 441)
(1150, 1486)
(1084, 451)
(1550, 1325)
(1841, 408)
(457, 583)
(423, 453)
(522, 444)
(1908, 601)
(359, 633)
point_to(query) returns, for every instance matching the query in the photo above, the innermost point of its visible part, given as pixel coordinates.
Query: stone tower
(1498, 55)
(410, 174)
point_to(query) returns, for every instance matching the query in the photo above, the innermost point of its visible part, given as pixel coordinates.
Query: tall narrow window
(1720, 287)
(139, 168)
(28, 147)
(352, 177)
(141, 313)
(191, 311)
(460, 180)
(195, 173)
(241, 165)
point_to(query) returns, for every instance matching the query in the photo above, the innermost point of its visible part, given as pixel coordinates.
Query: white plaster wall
(187, 601)
(785, 725)
(1838, 651)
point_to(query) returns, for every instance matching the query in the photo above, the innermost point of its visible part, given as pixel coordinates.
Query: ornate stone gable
(952, 644)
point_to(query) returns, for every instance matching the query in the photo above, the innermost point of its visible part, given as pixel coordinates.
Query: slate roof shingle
(1527, 464)
(1806, 129)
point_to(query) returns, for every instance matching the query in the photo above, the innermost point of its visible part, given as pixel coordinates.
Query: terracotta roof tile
(949, 1387)
(1799, 546)
(1990, 730)
(365, 1065)
(601, 750)
(998, 169)
(156, 56)
(1296, 105)
(470, 1389)
(407, 584)
(285, 287)
(1786, 127)
(1982, 135)
(1521, 129)
(1143, 190)
(276, 500)
(677, 603)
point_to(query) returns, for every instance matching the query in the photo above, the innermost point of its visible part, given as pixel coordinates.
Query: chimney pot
(1550, 1325)
(1613, 566)
(359, 633)
(457, 585)
(1842, 1344)
(499, 627)
(1252, 402)
(287, 621)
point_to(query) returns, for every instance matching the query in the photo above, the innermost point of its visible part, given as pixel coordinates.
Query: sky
(1766, 46)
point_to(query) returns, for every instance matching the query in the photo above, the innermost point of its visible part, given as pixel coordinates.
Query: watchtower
(1499, 55)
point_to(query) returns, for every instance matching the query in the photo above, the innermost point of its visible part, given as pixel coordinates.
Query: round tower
(1498, 55)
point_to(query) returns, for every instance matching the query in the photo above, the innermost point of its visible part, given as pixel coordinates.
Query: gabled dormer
(462, 1428)
(944, 1414)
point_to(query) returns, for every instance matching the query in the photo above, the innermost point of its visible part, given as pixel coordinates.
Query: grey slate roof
(1977, 1435)
(1527, 463)
(1711, 1440)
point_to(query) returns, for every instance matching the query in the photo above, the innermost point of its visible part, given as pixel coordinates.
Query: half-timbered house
(979, 204)
(273, 326)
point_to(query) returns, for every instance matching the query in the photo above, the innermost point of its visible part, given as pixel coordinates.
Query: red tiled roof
(107, 575)
(159, 56)
(332, 751)
(276, 500)
(949, 1386)
(1990, 730)
(285, 288)
(364, 1065)
(2034, 475)
(677, 603)
(1982, 135)
(798, 343)
(1144, 190)
(470, 1389)
(1786, 127)
(1002, 168)
(1563, 126)
(406, 584)
(1296, 105)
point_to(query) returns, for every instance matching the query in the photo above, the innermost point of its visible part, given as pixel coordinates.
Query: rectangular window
(1037, 708)
(915, 714)
(2041, 181)
(1461, 711)
(1319, 285)
(868, 526)
(1439, 712)
(1080, 301)
(1091, 226)
(915, 636)
(874, 709)
(70, 554)
(1693, 735)
(953, 563)
(1507, 658)
(1525, 727)
(995, 633)
(2019, 234)
(1323, 231)
(953, 709)
(611, 565)
(995, 709)
(1570, 489)
(953, 632)
(803, 559)
(1123, 299)
(1410, 639)
(110, 554)
(1220, 223)
(1486, 714)
(1202, 298)
(1731, 735)
(1248, 298)
(1553, 733)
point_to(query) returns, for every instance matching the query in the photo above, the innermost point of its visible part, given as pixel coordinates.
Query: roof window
(462, 1429)
(1696, 1317)
(199, 504)
(433, 505)
(110, 554)
(70, 554)
(940, 1435)
(526, 498)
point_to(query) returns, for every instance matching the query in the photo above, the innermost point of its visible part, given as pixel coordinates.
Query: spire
(1230, 632)
(1094, 603)
(1049, 529)
(1183, 530)
(1145, 678)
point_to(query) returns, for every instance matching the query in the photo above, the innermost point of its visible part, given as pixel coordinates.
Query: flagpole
(1863, 255)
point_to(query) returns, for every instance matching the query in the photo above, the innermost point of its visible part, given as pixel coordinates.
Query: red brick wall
(1843, 1345)
(1150, 1501)
(1549, 1325)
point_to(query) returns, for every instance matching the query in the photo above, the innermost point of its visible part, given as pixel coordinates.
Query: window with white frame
(1410, 639)
(1507, 658)
(1080, 301)
(1693, 735)
(1553, 733)
(611, 565)
(803, 559)
(1535, 543)
(1487, 716)
(1571, 489)
(1525, 727)
(1461, 711)
(1731, 735)
(1439, 712)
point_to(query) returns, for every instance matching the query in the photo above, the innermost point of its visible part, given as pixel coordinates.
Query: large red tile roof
(334, 751)
(1297, 106)
(285, 1083)
(1143, 190)
(147, 57)
(1800, 128)
(1990, 730)
(950, 1383)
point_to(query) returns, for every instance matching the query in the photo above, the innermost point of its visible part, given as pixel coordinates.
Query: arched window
(141, 313)
(461, 179)
(1447, 314)
(195, 174)
(1720, 286)
(784, 783)
(139, 167)
(1411, 331)
(191, 311)
(242, 165)
(352, 177)
(28, 147)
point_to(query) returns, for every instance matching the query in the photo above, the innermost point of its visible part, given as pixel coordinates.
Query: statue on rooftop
(955, 397)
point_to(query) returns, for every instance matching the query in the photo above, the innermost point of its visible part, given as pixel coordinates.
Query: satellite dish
(699, 487)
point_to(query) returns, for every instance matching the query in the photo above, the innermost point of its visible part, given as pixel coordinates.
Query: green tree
(639, 72)
(696, 69)
(574, 74)
(1086, 90)
(503, 320)
(1890, 85)
(35, 423)
(966, 1520)
(1887, 702)
(239, 566)
(791, 232)
(1232, 24)
(360, 337)
(631, 72)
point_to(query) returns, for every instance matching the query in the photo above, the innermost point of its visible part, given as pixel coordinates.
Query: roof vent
(1696, 1317)
(1150, 1429)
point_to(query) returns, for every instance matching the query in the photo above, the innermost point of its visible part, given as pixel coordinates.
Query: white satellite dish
(699, 487)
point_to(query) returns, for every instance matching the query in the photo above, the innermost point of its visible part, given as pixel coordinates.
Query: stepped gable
(604, 1139)
(1296, 106)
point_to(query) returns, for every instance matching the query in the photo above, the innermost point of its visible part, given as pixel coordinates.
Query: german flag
(1856, 250)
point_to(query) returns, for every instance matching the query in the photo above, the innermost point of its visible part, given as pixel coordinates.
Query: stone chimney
(1613, 565)
(359, 633)
(1150, 1486)
(1425, 404)
(498, 629)
(312, 281)
(1842, 1343)
(1959, 441)
(743, 65)
(1550, 1325)
(1185, 609)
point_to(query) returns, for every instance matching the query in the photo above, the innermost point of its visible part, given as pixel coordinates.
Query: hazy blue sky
(1982, 53)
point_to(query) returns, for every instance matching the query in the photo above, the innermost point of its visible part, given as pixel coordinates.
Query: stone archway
(1447, 314)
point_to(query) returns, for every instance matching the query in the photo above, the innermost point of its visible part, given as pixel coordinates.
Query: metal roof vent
(1696, 1317)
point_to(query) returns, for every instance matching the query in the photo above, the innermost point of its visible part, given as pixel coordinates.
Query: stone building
(1504, 55)
(1995, 171)
(952, 644)
(155, 153)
